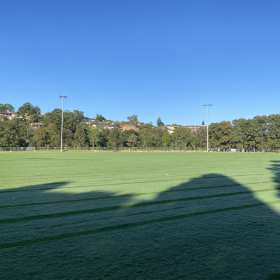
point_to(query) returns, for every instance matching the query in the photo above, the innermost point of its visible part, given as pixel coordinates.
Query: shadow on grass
(210, 227)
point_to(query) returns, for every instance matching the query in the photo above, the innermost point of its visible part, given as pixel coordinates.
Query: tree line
(260, 132)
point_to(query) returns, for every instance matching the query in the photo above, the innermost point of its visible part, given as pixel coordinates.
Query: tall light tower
(62, 96)
(207, 105)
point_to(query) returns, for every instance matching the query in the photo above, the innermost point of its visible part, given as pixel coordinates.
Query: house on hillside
(36, 125)
(88, 120)
(10, 115)
(26, 117)
(129, 126)
(171, 128)
(194, 128)
(110, 127)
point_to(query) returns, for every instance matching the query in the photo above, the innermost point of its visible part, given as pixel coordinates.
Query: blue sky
(152, 58)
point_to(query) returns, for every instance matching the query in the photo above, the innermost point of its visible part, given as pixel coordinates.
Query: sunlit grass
(139, 215)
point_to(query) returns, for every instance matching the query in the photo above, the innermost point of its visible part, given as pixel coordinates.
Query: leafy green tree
(125, 137)
(150, 136)
(81, 136)
(226, 134)
(251, 134)
(260, 128)
(99, 118)
(181, 137)
(201, 135)
(132, 140)
(40, 138)
(133, 119)
(159, 132)
(240, 137)
(221, 135)
(34, 118)
(194, 141)
(53, 117)
(67, 138)
(214, 135)
(14, 133)
(34, 112)
(202, 123)
(53, 135)
(113, 138)
(159, 122)
(6, 107)
(50, 137)
(273, 131)
(94, 137)
(69, 119)
(78, 115)
(104, 136)
(166, 139)
(29, 109)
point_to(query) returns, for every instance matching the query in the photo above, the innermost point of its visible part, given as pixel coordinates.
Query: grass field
(139, 216)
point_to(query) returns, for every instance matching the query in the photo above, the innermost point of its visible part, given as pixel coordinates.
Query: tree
(67, 137)
(132, 140)
(126, 140)
(273, 131)
(201, 135)
(113, 138)
(150, 136)
(94, 137)
(159, 122)
(78, 115)
(53, 117)
(40, 138)
(104, 136)
(99, 118)
(15, 133)
(6, 107)
(22, 110)
(194, 141)
(226, 135)
(202, 123)
(35, 117)
(260, 128)
(81, 136)
(29, 109)
(240, 137)
(69, 119)
(133, 120)
(166, 139)
(221, 135)
(53, 135)
(181, 137)
(252, 133)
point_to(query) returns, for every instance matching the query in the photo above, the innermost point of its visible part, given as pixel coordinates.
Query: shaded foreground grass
(139, 216)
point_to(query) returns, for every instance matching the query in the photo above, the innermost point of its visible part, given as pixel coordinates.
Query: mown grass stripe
(27, 189)
(136, 194)
(114, 208)
(28, 242)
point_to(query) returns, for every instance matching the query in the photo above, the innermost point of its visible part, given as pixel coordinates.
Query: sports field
(139, 215)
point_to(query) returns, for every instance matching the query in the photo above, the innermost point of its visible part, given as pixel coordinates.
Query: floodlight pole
(207, 105)
(62, 96)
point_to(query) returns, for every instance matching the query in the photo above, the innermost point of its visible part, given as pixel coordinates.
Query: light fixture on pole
(207, 105)
(62, 96)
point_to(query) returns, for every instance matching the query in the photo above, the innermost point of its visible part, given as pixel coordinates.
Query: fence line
(128, 149)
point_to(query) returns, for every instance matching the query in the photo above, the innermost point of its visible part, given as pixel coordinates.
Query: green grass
(139, 215)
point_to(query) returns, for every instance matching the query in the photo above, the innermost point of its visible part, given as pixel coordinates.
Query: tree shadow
(210, 227)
